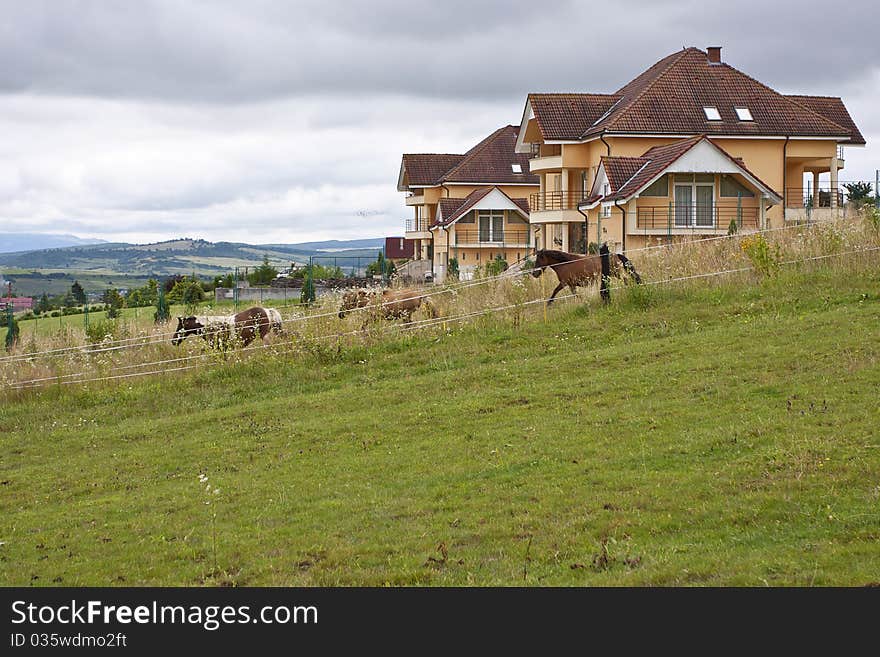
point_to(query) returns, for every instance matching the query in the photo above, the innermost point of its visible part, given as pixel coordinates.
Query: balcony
(679, 219)
(515, 238)
(549, 201)
(417, 229)
(546, 163)
(803, 197)
(415, 199)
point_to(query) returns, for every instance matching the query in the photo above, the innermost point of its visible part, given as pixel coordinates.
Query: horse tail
(629, 267)
(432, 310)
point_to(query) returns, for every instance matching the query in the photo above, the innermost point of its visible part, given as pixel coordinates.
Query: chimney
(714, 53)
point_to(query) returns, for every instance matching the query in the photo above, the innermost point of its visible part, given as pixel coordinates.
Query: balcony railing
(806, 197)
(542, 201)
(687, 217)
(420, 225)
(506, 237)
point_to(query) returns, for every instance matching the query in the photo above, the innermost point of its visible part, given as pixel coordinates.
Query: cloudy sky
(284, 121)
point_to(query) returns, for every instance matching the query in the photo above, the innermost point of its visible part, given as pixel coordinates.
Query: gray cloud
(241, 52)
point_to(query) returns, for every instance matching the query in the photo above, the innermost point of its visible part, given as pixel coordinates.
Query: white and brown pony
(390, 304)
(244, 327)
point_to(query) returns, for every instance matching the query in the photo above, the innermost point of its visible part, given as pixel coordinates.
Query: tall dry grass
(129, 349)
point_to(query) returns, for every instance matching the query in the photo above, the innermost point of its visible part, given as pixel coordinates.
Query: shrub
(765, 259)
(105, 329)
(496, 266)
(452, 269)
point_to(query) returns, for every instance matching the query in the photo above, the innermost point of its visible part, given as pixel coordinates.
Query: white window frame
(516, 168)
(743, 113)
(693, 213)
(490, 215)
(712, 113)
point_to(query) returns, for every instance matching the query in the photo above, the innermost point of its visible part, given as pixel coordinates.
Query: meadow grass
(711, 433)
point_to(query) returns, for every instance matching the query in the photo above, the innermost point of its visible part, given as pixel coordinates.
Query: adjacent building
(690, 147)
(471, 207)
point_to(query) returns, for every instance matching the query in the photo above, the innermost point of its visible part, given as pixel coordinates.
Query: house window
(606, 211)
(491, 225)
(732, 188)
(695, 202)
(712, 113)
(743, 114)
(516, 168)
(659, 187)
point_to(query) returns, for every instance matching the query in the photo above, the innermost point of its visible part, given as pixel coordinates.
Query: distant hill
(13, 242)
(331, 245)
(107, 264)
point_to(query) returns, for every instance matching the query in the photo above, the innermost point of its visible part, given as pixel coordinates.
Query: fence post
(605, 255)
(877, 188)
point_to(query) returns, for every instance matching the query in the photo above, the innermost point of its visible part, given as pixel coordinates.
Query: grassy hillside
(711, 434)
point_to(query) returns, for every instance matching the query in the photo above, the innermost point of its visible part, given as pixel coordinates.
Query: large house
(690, 147)
(471, 207)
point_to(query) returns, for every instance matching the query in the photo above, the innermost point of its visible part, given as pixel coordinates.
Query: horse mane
(558, 256)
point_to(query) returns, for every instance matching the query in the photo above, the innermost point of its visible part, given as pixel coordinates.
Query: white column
(565, 237)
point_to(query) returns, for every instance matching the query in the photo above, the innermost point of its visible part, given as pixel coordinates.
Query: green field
(721, 434)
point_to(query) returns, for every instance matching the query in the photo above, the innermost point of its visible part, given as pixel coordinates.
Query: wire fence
(82, 378)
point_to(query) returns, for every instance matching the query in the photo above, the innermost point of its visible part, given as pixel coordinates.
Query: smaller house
(474, 230)
(19, 304)
(399, 249)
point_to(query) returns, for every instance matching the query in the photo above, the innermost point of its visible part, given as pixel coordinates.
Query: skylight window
(743, 114)
(712, 113)
(517, 168)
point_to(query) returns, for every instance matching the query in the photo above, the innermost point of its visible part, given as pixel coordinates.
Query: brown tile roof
(668, 98)
(399, 247)
(447, 208)
(428, 168)
(831, 108)
(621, 169)
(653, 162)
(568, 116)
(451, 209)
(522, 204)
(489, 161)
(492, 160)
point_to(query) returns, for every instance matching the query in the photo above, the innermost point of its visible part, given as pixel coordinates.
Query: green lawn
(714, 435)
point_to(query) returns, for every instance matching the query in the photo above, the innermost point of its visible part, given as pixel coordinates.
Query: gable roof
(489, 161)
(627, 176)
(668, 98)
(450, 210)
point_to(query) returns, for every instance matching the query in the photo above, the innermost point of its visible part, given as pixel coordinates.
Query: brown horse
(577, 270)
(390, 304)
(246, 326)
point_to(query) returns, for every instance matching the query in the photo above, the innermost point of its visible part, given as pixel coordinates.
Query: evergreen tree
(79, 295)
(162, 314)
